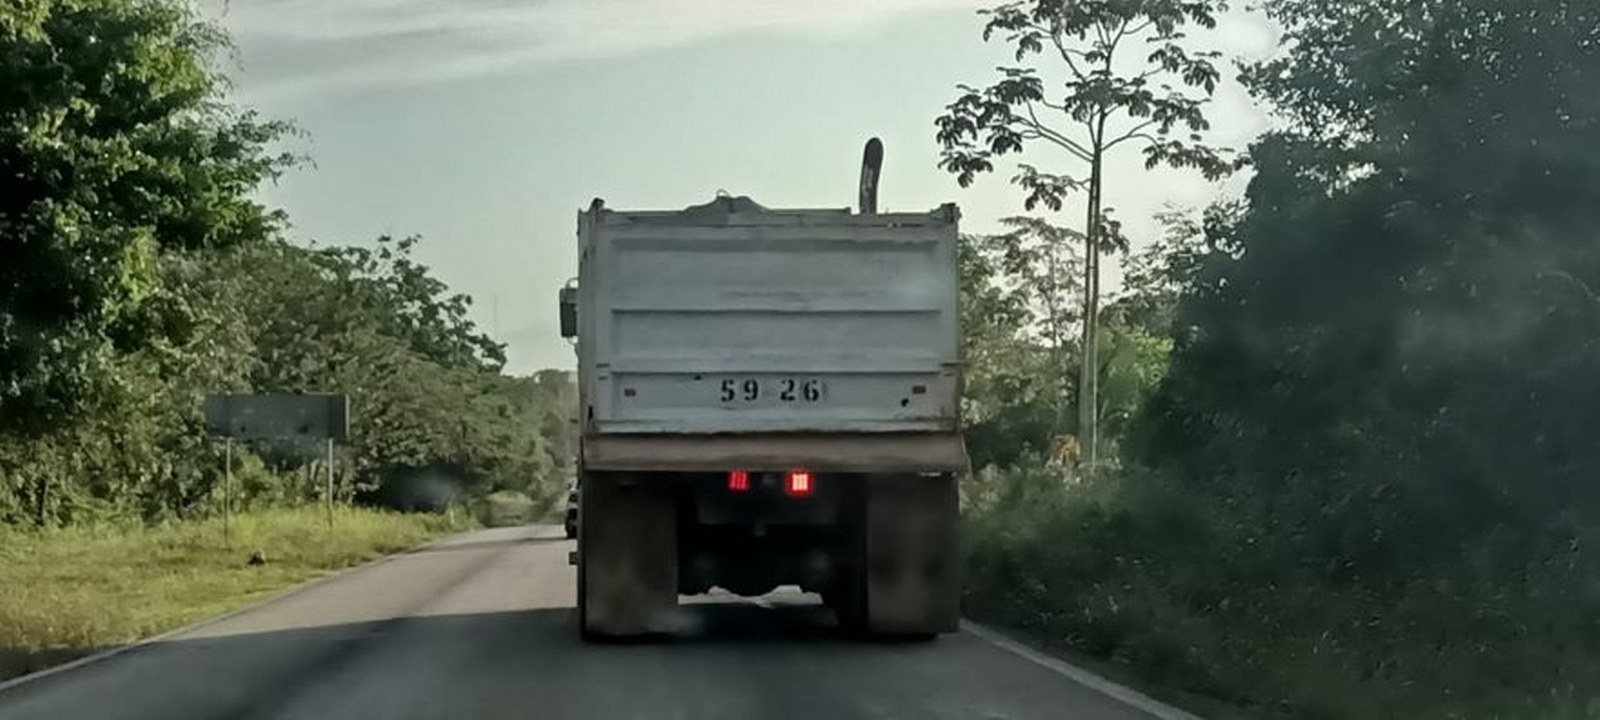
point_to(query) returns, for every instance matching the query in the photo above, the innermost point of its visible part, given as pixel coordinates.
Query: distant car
(572, 511)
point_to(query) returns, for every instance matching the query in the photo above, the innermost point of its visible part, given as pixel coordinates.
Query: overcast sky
(483, 125)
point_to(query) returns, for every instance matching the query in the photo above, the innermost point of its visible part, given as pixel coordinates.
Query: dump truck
(768, 397)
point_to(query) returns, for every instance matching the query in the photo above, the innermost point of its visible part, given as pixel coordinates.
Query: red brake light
(799, 483)
(738, 480)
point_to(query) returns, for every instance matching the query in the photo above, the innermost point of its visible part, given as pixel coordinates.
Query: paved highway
(481, 626)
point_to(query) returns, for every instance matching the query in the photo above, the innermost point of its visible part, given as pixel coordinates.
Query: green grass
(82, 588)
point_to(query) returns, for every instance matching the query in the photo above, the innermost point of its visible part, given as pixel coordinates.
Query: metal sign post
(227, 490)
(330, 482)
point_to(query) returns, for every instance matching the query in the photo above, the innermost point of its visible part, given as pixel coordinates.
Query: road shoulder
(1108, 678)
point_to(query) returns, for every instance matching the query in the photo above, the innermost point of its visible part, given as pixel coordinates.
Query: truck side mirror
(569, 312)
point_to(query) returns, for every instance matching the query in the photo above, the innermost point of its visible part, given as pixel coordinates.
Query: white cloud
(290, 45)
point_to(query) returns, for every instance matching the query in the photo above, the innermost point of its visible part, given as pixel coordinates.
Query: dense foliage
(1365, 485)
(137, 274)
(114, 147)
(1017, 316)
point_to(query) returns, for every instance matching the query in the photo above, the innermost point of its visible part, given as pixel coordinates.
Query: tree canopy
(1420, 273)
(115, 144)
(138, 273)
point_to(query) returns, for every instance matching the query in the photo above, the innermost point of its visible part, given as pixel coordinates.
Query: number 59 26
(784, 390)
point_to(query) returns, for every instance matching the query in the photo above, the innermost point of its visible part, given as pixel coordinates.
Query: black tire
(638, 534)
(574, 529)
(852, 614)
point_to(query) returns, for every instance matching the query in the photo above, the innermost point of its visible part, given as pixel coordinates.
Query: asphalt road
(481, 626)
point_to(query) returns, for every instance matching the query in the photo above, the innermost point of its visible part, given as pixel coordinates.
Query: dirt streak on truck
(768, 397)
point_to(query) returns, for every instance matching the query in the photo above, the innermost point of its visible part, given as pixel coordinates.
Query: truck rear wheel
(909, 584)
(627, 557)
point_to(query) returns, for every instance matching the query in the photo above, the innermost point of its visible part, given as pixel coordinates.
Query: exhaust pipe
(871, 168)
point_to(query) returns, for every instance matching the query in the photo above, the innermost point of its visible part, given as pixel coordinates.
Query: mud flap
(627, 557)
(912, 576)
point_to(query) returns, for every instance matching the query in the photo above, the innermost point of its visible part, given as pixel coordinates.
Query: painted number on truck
(788, 390)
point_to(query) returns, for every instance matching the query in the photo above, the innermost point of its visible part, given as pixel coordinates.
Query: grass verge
(70, 591)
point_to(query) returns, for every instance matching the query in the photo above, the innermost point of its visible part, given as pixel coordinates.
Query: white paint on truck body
(732, 318)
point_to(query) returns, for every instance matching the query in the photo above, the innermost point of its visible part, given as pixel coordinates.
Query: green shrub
(1132, 569)
(506, 508)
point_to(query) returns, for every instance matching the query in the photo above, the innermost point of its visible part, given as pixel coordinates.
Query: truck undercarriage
(878, 548)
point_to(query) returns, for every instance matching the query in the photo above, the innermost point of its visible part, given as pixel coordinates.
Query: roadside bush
(1134, 569)
(507, 508)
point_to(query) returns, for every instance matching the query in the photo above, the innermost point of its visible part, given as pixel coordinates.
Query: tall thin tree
(1099, 102)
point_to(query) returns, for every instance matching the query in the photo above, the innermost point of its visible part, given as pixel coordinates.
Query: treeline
(138, 274)
(1353, 470)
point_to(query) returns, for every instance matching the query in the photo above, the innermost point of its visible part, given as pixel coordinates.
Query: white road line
(1125, 695)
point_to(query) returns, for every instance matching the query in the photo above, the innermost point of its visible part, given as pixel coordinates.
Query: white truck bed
(730, 318)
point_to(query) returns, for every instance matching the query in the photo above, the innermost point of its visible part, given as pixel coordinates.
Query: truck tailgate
(770, 321)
